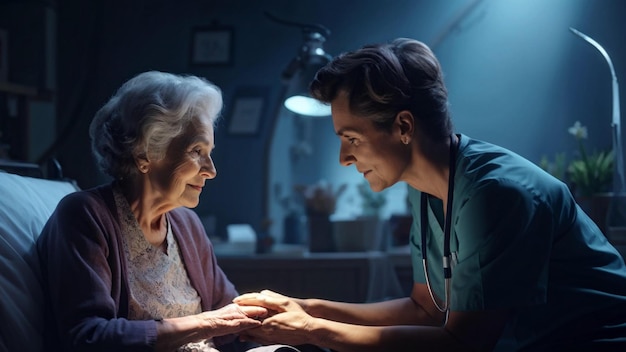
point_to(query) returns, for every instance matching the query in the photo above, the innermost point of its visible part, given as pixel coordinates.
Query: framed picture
(4, 55)
(248, 108)
(211, 45)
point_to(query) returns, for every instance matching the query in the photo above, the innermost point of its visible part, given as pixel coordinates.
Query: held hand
(287, 323)
(274, 302)
(231, 319)
(290, 328)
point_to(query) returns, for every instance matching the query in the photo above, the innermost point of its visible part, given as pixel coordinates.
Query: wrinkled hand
(231, 319)
(272, 301)
(287, 322)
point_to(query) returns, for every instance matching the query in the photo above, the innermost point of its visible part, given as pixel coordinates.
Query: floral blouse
(159, 284)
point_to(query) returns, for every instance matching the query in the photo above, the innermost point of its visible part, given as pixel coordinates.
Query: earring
(405, 140)
(143, 168)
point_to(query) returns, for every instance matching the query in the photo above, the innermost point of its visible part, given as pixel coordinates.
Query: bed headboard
(26, 203)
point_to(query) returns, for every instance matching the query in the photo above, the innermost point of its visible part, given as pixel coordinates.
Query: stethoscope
(447, 255)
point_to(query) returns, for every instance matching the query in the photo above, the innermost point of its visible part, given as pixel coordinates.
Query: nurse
(503, 257)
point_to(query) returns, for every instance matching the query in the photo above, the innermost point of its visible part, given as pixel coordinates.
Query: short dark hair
(384, 79)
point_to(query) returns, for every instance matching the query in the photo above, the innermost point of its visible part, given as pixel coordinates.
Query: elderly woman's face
(180, 176)
(379, 155)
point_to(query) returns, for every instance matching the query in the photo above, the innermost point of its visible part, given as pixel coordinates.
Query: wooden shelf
(18, 89)
(33, 93)
(16, 118)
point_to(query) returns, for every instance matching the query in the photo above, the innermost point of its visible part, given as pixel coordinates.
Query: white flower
(579, 131)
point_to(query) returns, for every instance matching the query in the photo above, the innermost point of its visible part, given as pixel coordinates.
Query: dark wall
(516, 75)
(104, 43)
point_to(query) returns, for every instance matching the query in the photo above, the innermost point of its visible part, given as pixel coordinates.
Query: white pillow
(25, 205)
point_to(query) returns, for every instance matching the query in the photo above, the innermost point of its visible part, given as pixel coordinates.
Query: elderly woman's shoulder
(94, 198)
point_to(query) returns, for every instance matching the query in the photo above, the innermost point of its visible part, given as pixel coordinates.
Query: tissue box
(241, 240)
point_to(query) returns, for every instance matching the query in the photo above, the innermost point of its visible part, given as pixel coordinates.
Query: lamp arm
(292, 68)
(306, 27)
(619, 183)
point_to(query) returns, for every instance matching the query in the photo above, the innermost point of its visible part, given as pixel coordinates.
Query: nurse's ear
(404, 126)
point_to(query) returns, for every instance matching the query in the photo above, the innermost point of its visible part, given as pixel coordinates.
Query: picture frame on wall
(211, 45)
(247, 111)
(4, 55)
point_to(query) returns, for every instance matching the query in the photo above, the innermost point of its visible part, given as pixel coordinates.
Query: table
(342, 276)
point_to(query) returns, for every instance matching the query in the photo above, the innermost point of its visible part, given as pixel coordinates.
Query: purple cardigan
(85, 278)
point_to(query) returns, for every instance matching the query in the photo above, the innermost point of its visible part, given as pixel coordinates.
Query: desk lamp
(302, 69)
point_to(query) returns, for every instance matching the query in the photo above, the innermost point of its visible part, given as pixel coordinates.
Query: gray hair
(145, 115)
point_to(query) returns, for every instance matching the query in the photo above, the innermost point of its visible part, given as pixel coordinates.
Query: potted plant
(363, 233)
(320, 201)
(589, 176)
(371, 202)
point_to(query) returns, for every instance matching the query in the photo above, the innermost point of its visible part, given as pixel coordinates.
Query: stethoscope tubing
(447, 255)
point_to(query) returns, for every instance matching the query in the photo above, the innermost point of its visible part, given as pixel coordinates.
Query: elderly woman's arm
(231, 319)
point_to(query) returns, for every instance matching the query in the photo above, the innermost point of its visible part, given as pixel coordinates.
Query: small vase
(616, 222)
(294, 228)
(320, 235)
(596, 207)
(400, 228)
(362, 234)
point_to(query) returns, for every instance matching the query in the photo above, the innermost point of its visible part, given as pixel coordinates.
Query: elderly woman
(127, 266)
(503, 258)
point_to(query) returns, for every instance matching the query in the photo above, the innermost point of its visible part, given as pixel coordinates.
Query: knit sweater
(84, 274)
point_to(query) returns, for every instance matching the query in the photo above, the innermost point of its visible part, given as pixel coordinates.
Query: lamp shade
(306, 106)
(299, 74)
(299, 100)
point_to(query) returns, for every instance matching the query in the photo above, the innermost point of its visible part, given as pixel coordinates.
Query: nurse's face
(379, 155)
(180, 176)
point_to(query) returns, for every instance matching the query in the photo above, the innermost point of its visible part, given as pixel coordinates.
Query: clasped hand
(286, 321)
(232, 319)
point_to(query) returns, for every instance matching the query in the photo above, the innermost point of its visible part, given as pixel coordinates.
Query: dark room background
(516, 75)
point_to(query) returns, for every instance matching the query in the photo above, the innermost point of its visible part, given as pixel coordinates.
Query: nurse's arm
(401, 311)
(421, 330)
(466, 331)
(471, 330)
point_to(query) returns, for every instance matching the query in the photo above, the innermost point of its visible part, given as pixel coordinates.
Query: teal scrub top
(521, 242)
